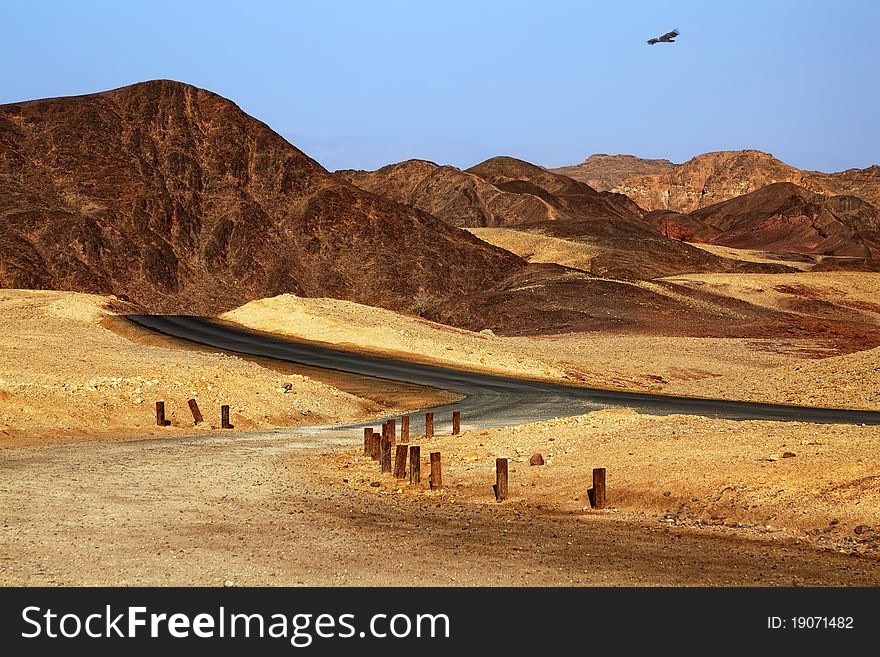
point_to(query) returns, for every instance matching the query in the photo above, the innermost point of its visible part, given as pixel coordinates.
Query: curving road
(488, 400)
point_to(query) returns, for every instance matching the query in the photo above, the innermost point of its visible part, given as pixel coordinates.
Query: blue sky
(361, 84)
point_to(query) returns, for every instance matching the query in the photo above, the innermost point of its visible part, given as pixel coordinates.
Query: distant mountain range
(714, 177)
(171, 197)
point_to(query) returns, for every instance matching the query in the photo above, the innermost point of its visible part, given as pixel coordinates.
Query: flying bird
(669, 37)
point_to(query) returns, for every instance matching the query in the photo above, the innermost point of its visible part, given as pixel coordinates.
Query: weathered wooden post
(404, 429)
(415, 464)
(375, 445)
(400, 462)
(224, 417)
(194, 408)
(385, 460)
(456, 423)
(429, 425)
(436, 480)
(160, 414)
(392, 429)
(500, 486)
(598, 488)
(368, 440)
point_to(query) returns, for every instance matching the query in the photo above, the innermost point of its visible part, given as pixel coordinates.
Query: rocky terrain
(605, 172)
(714, 177)
(781, 217)
(170, 196)
(457, 197)
(505, 192)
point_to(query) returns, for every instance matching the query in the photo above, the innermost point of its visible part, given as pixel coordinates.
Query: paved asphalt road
(488, 400)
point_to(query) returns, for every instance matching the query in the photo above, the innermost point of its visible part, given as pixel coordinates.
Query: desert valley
(732, 276)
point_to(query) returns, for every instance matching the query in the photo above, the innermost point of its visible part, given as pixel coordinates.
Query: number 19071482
(810, 623)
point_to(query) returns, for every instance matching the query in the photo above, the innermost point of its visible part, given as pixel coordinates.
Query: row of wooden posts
(196, 413)
(380, 447)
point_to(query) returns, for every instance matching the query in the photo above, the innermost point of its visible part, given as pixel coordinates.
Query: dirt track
(247, 509)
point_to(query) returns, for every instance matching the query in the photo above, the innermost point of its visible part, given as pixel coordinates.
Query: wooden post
(456, 423)
(436, 480)
(415, 465)
(500, 486)
(400, 462)
(197, 414)
(598, 488)
(375, 445)
(392, 429)
(429, 425)
(385, 460)
(160, 414)
(224, 417)
(404, 429)
(368, 440)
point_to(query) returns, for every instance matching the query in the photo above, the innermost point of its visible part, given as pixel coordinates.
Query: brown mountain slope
(605, 172)
(458, 198)
(173, 197)
(782, 217)
(714, 177)
(572, 199)
(506, 192)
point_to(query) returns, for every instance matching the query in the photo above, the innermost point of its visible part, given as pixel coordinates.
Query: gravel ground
(246, 508)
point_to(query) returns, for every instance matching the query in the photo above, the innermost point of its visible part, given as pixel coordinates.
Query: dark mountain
(171, 196)
(781, 217)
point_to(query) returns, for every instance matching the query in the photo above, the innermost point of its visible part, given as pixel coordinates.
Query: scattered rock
(862, 529)
(667, 493)
(835, 521)
(375, 484)
(788, 455)
(228, 583)
(536, 459)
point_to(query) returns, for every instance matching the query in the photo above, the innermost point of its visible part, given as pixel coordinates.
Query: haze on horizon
(363, 84)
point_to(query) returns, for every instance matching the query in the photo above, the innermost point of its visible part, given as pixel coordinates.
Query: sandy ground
(804, 263)
(692, 501)
(69, 368)
(244, 508)
(535, 247)
(801, 292)
(795, 480)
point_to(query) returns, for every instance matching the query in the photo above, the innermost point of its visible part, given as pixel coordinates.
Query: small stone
(774, 457)
(862, 529)
(287, 386)
(228, 583)
(835, 521)
(536, 459)
(788, 455)
(375, 484)
(667, 493)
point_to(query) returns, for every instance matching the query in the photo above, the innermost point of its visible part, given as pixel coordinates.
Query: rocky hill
(172, 197)
(781, 217)
(457, 197)
(605, 172)
(714, 177)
